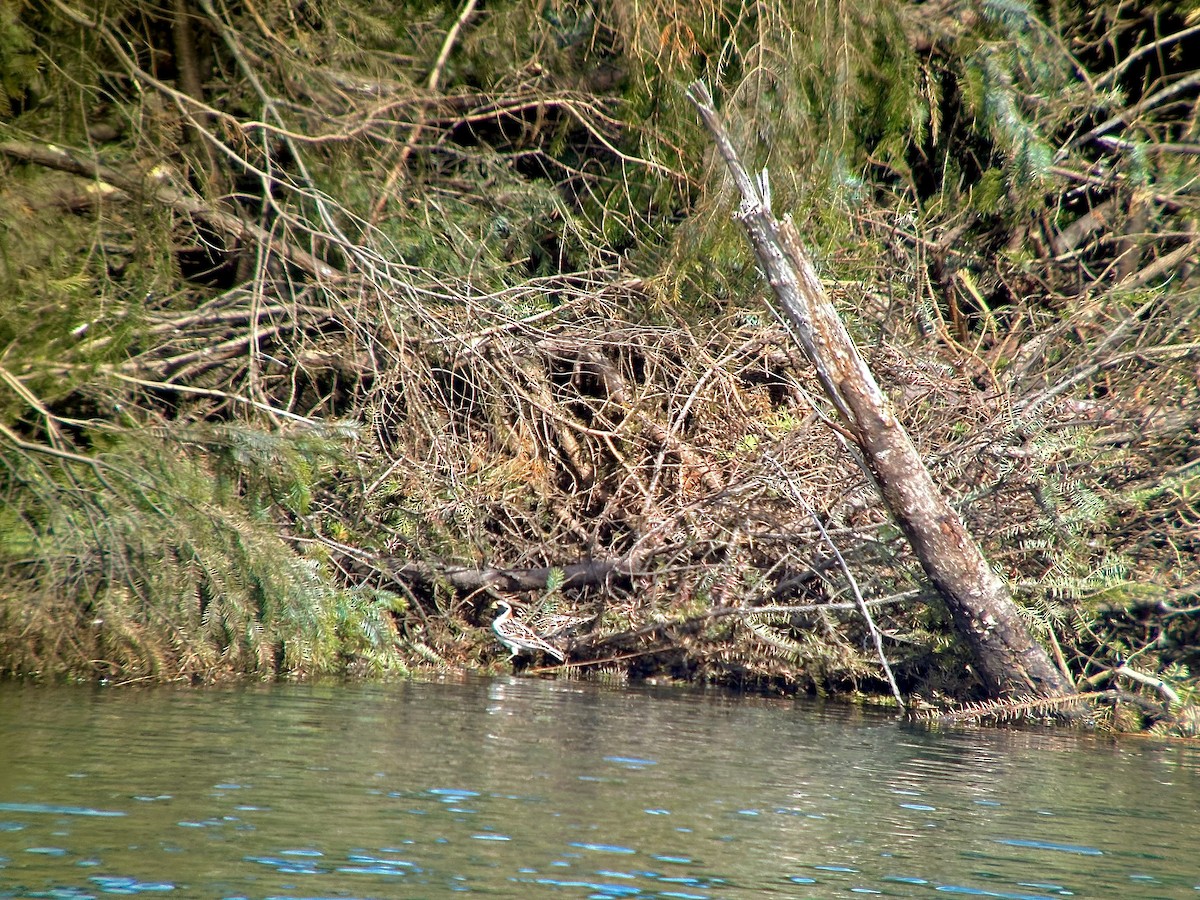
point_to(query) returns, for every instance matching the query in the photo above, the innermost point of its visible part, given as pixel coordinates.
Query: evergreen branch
(1018, 707)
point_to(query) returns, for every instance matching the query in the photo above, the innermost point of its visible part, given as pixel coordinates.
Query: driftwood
(1009, 662)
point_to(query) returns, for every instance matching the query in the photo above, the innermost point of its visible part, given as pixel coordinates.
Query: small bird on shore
(554, 625)
(519, 637)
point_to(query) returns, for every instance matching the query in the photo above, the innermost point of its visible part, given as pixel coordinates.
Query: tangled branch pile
(330, 322)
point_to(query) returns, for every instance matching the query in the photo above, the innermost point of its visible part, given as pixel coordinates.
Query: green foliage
(988, 194)
(19, 70)
(992, 92)
(818, 93)
(555, 580)
(140, 561)
(65, 315)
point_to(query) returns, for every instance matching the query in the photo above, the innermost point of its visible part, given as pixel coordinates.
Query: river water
(528, 788)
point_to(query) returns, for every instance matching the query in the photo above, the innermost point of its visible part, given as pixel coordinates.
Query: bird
(519, 637)
(552, 625)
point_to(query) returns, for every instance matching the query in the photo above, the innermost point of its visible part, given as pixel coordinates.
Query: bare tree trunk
(190, 81)
(1010, 663)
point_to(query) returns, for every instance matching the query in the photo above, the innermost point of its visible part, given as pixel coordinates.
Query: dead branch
(979, 602)
(157, 185)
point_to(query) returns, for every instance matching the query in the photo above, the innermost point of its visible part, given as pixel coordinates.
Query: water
(526, 788)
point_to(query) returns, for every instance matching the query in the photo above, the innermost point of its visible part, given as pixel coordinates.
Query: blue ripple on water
(451, 794)
(287, 866)
(679, 879)
(612, 873)
(110, 884)
(369, 860)
(57, 810)
(1046, 845)
(603, 848)
(601, 889)
(370, 870)
(207, 823)
(632, 762)
(977, 892)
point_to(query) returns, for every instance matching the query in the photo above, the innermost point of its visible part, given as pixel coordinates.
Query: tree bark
(984, 615)
(190, 81)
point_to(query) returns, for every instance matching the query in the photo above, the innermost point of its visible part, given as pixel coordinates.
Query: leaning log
(1008, 660)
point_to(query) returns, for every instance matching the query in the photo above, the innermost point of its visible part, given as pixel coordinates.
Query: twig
(55, 157)
(451, 36)
(723, 612)
(30, 398)
(853, 582)
(1030, 404)
(1125, 115)
(1116, 143)
(30, 447)
(1150, 681)
(1116, 71)
(221, 395)
(419, 127)
(862, 607)
(1161, 265)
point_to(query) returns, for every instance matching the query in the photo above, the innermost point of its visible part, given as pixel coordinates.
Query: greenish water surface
(528, 788)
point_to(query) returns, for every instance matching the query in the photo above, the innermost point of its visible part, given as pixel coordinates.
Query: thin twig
(862, 606)
(436, 75)
(1125, 115)
(1150, 681)
(1117, 71)
(221, 395)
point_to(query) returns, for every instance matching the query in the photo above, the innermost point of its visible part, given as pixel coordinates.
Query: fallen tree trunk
(466, 580)
(984, 615)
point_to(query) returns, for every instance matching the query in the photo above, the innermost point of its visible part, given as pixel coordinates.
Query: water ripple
(1046, 845)
(59, 810)
(411, 789)
(603, 848)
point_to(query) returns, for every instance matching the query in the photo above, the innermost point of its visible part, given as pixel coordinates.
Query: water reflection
(534, 788)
